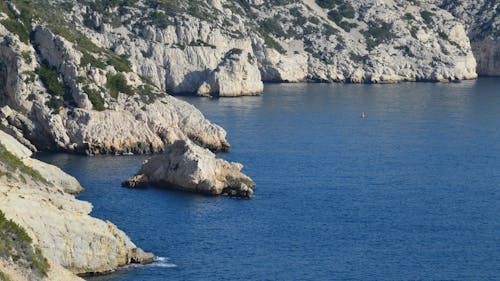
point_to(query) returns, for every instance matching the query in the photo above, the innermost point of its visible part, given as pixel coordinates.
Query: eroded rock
(186, 166)
(37, 196)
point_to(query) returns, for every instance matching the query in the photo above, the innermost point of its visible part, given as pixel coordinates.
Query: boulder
(186, 166)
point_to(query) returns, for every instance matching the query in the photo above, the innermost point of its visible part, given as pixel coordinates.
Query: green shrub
(327, 4)
(329, 30)
(4, 277)
(234, 51)
(5, 9)
(378, 32)
(347, 26)
(414, 31)
(31, 97)
(408, 17)
(201, 43)
(427, 17)
(443, 35)
(159, 19)
(84, 43)
(406, 50)
(55, 86)
(51, 80)
(271, 43)
(118, 84)
(346, 10)
(272, 26)
(335, 16)
(88, 59)
(358, 58)
(81, 79)
(64, 33)
(95, 98)
(250, 58)
(120, 63)
(26, 56)
(16, 244)
(55, 103)
(147, 93)
(17, 28)
(30, 76)
(314, 20)
(13, 163)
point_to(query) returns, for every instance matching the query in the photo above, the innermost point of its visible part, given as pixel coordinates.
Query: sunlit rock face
(39, 198)
(482, 21)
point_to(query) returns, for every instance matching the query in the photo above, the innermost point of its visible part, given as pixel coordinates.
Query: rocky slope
(60, 238)
(186, 166)
(90, 76)
(227, 47)
(482, 20)
(67, 93)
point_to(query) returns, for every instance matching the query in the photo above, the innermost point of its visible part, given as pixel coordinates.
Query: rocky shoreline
(92, 77)
(96, 84)
(39, 199)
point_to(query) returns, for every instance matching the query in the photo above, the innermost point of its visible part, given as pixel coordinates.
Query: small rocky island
(189, 167)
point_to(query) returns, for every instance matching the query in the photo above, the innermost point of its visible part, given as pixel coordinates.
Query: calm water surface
(412, 192)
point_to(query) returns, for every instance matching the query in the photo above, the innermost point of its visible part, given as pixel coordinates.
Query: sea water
(410, 192)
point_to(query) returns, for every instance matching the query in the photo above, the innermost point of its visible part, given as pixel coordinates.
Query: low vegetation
(18, 28)
(26, 56)
(95, 98)
(148, 93)
(12, 163)
(88, 59)
(273, 44)
(339, 11)
(427, 17)
(16, 244)
(377, 33)
(55, 86)
(120, 63)
(4, 277)
(118, 84)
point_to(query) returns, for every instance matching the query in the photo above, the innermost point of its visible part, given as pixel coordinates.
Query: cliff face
(91, 76)
(482, 20)
(37, 197)
(72, 95)
(179, 45)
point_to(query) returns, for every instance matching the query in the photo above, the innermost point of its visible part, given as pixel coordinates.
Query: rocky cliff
(228, 47)
(91, 76)
(52, 235)
(63, 91)
(482, 21)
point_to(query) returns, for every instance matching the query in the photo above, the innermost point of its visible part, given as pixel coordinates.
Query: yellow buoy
(363, 115)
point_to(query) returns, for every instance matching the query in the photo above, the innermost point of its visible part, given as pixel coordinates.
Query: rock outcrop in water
(37, 197)
(188, 167)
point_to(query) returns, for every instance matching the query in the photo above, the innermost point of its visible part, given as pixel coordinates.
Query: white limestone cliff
(37, 196)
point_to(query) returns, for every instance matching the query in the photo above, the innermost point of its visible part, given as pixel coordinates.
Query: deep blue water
(412, 192)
